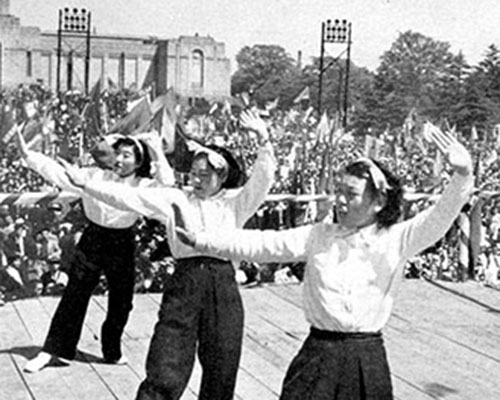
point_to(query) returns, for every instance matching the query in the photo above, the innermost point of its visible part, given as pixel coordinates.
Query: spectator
(11, 281)
(492, 272)
(54, 280)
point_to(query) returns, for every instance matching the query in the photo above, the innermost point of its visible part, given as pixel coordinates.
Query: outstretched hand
(74, 174)
(251, 121)
(183, 233)
(455, 153)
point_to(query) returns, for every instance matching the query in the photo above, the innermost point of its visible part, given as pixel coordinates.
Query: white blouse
(96, 211)
(228, 209)
(351, 276)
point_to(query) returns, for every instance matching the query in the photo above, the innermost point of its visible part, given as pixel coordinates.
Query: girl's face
(126, 162)
(357, 205)
(204, 179)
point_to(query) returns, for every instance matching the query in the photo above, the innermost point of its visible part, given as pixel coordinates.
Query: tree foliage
(265, 71)
(416, 74)
(480, 104)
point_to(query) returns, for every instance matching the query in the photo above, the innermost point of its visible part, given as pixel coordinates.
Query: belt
(336, 335)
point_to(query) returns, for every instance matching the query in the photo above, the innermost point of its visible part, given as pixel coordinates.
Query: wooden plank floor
(443, 342)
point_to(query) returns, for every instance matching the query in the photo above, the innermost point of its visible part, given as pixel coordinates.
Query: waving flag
(95, 113)
(305, 95)
(7, 122)
(166, 104)
(271, 105)
(473, 134)
(136, 120)
(323, 129)
(497, 136)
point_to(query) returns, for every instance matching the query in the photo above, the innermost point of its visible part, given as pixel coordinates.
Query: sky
(469, 26)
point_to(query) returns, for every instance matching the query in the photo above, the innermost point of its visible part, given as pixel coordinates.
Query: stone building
(194, 66)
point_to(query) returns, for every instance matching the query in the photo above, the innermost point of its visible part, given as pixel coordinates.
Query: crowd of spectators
(308, 160)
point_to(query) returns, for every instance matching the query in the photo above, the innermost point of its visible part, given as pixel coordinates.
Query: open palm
(251, 121)
(456, 154)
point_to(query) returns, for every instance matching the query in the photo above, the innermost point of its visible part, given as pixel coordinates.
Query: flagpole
(335, 32)
(347, 67)
(322, 53)
(59, 40)
(87, 55)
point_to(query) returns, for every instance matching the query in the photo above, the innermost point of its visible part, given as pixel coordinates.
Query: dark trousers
(339, 366)
(202, 307)
(100, 250)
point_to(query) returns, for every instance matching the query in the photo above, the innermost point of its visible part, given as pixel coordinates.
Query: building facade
(194, 66)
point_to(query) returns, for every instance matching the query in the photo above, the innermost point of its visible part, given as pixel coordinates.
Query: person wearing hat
(19, 248)
(201, 308)
(106, 246)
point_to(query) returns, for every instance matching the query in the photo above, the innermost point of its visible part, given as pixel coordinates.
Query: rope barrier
(32, 198)
(463, 245)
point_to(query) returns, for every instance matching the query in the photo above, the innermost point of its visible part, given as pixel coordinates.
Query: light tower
(336, 32)
(75, 23)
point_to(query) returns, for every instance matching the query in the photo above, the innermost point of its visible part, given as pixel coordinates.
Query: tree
(414, 74)
(480, 105)
(264, 71)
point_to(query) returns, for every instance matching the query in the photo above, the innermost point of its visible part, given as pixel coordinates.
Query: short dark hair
(392, 211)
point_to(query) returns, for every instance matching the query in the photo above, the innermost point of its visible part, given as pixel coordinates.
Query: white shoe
(39, 362)
(123, 360)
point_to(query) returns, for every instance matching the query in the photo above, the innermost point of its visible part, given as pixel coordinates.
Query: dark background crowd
(36, 241)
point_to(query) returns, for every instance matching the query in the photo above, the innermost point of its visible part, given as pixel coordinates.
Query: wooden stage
(443, 342)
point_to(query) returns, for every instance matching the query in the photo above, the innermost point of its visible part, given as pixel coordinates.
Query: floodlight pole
(335, 32)
(347, 68)
(321, 58)
(59, 41)
(74, 22)
(87, 54)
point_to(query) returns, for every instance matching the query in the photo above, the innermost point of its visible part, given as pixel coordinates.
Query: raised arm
(254, 192)
(163, 173)
(429, 226)
(49, 168)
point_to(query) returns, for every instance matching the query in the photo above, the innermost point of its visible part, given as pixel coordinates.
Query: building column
(49, 72)
(1, 65)
(136, 75)
(4, 7)
(104, 76)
